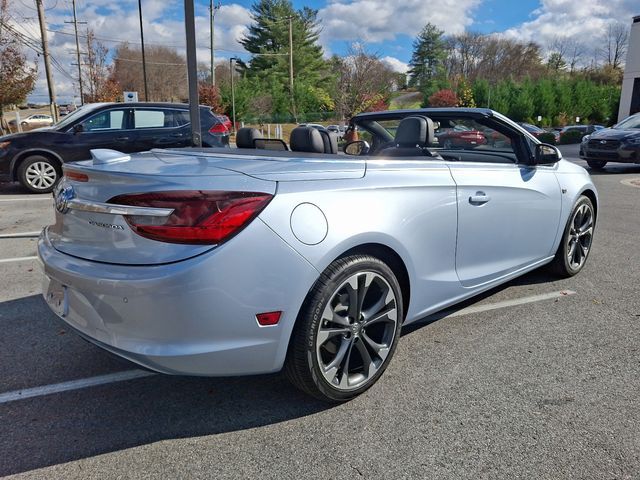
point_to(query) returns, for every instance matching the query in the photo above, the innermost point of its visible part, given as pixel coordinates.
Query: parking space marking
(17, 259)
(74, 385)
(26, 199)
(134, 374)
(510, 303)
(20, 235)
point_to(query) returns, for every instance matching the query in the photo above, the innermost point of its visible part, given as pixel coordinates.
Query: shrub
(572, 136)
(547, 137)
(443, 98)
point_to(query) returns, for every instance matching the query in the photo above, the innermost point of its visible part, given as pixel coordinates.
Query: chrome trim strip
(113, 209)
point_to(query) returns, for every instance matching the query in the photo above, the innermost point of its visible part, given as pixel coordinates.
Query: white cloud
(585, 21)
(395, 64)
(380, 20)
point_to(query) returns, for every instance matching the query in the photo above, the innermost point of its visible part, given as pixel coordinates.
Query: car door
(105, 129)
(160, 128)
(508, 213)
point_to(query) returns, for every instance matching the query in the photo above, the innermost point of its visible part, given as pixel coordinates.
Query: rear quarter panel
(408, 206)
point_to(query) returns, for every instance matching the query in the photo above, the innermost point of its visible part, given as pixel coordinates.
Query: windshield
(66, 121)
(631, 122)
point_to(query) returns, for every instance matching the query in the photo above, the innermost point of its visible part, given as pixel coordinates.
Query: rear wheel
(596, 164)
(347, 330)
(38, 174)
(576, 241)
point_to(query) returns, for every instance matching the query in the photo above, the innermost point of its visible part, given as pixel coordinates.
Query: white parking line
(26, 199)
(133, 374)
(20, 235)
(17, 259)
(74, 385)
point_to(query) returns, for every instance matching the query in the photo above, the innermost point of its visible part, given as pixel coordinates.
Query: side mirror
(78, 128)
(547, 154)
(358, 147)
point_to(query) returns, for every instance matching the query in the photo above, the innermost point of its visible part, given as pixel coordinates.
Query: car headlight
(585, 138)
(633, 140)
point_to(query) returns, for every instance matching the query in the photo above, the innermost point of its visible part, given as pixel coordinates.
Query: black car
(35, 158)
(620, 143)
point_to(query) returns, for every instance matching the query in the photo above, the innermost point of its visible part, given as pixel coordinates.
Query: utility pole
(212, 13)
(47, 65)
(144, 62)
(293, 103)
(75, 26)
(232, 68)
(192, 73)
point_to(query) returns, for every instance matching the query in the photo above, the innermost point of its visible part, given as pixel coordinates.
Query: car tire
(577, 239)
(596, 164)
(39, 174)
(347, 329)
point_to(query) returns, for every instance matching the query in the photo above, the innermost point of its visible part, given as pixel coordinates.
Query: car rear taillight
(198, 217)
(219, 128)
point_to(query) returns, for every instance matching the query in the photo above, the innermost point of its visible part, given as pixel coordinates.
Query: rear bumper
(194, 317)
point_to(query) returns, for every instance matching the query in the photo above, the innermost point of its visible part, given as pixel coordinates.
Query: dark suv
(620, 143)
(35, 158)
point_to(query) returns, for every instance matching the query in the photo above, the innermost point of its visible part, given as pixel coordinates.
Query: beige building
(630, 97)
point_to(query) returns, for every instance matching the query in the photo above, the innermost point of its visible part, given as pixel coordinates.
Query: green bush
(547, 137)
(572, 136)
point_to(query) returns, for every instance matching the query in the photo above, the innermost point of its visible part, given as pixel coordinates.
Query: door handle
(480, 198)
(121, 139)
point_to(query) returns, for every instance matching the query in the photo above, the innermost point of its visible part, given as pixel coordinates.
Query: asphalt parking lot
(539, 379)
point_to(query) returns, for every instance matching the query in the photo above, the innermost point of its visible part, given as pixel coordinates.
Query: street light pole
(232, 67)
(212, 13)
(192, 73)
(144, 62)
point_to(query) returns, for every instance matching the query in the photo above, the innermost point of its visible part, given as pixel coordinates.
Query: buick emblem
(64, 193)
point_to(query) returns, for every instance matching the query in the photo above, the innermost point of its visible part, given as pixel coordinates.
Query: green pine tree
(429, 54)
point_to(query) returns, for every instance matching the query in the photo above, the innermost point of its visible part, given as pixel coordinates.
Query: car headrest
(330, 141)
(415, 131)
(246, 136)
(306, 139)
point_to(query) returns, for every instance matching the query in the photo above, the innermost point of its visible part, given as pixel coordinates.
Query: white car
(37, 120)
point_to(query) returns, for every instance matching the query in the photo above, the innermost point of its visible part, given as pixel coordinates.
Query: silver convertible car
(234, 262)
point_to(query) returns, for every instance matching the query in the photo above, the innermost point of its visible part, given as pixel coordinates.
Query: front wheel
(347, 330)
(38, 174)
(576, 241)
(596, 164)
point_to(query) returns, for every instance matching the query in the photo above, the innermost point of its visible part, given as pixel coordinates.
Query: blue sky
(385, 27)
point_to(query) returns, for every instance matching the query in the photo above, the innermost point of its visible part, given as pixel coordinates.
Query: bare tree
(100, 87)
(615, 43)
(363, 79)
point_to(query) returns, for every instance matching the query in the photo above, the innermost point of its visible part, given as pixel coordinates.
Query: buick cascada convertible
(245, 261)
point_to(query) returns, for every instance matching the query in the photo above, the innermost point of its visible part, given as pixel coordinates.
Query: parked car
(337, 129)
(34, 121)
(35, 158)
(248, 261)
(460, 136)
(620, 143)
(583, 129)
(532, 129)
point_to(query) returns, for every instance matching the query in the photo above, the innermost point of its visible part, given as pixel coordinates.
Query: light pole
(232, 67)
(212, 13)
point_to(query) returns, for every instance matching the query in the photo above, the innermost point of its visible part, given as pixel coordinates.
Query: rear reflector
(76, 176)
(219, 128)
(268, 318)
(198, 217)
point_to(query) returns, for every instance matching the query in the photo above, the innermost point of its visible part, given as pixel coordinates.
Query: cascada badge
(64, 194)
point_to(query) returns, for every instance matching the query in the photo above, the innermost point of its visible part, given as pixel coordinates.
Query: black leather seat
(413, 136)
(330, 141)
(306, 139)
(246, 136)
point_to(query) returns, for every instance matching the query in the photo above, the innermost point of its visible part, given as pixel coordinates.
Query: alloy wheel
(41, 175)
(580, 236)
(357, 330)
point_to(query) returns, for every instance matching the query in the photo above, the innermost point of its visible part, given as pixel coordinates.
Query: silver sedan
(218, 262)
